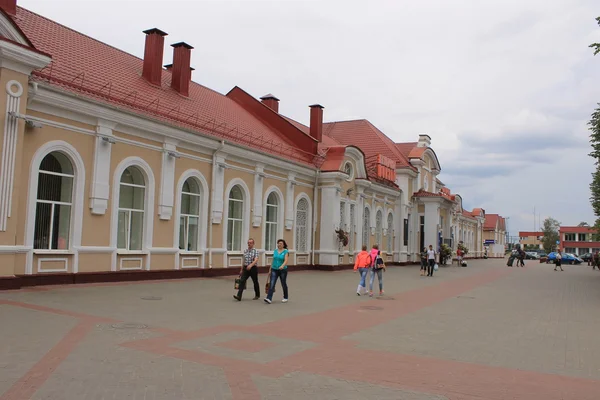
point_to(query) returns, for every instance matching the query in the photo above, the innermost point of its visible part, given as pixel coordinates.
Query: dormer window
(348, 170)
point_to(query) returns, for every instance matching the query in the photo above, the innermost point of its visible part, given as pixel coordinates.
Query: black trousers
(253, 273)
(430, 267)
(423, 264)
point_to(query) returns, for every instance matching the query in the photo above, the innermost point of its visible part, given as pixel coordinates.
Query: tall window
(352, 233)
(406, 231)
(271, 222)
(342, 223)
(390, 233)
(365, 228)
(302, 226)
(189, 221)
(379, 228)
(235, 219)
(54, 203)
(132, 196)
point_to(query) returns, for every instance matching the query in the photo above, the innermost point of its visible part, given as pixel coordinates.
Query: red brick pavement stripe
(339, 322)
(456, 380)
(56, 311)
(241, 384)
(43, 369)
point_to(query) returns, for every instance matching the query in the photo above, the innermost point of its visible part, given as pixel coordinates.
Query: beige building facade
(95, 182)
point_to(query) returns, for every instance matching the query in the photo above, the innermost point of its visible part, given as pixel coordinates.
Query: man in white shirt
(430, 260)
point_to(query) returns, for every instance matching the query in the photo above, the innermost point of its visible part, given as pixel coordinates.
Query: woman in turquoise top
(279, 270)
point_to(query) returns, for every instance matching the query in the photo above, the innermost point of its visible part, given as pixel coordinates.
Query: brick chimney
(153, 55)
(271, 101)
(316, 122)
(181, 72)
(9, 6)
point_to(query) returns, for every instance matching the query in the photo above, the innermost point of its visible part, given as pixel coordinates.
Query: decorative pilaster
(327, 238)
(217, 196)
(14, 91)
(167, 181)
(289, 201)
(100, 187)
(259, 178)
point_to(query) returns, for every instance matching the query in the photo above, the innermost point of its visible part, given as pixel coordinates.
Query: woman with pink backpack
(377, 267)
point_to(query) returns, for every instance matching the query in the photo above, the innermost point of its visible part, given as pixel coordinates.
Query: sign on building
(386, 168)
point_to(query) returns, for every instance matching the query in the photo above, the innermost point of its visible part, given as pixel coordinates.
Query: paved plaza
(485, 332)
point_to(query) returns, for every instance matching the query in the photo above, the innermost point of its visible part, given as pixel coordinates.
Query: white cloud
(504, 87)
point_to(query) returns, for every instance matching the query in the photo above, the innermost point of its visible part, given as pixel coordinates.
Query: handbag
(237, 283)
(268, 284)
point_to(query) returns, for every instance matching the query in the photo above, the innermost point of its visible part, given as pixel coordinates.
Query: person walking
(558, 262)
(596, 260)
(378, 268)
(424, 261)
(430, 260)
(249, 270)
(374, 252)
(279, 271)
(362, 264)
(521, 257)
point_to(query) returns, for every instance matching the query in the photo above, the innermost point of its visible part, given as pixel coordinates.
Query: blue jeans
(379, 273)
(276, 274)
(364, 272)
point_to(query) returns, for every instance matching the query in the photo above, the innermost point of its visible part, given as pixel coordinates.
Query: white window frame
(53, 203)
(149, 213)
(245, 216)
(351, 174)
(203, 222)
(379, 228)
(77, 201)
(309, 230)
(280, 215)
(366, 240)
(129, 212)
(390, 233)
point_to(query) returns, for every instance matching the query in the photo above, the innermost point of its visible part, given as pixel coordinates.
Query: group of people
(427, 261)
(369, 261)
(278, 271)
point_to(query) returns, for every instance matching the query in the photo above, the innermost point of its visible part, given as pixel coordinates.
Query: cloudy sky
(503, 87)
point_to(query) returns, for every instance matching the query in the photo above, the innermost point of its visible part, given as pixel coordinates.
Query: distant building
(494, 235)
(578, 239)
(528, 239)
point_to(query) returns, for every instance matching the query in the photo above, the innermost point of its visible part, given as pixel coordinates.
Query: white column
(167, 182)
(398, 228)
(258, 195)
(100, 186)
(360, 210)
(289, 201)
(328, 251)
(217, 196)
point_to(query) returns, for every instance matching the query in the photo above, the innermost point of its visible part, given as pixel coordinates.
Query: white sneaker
(267, 300)
(284, 300)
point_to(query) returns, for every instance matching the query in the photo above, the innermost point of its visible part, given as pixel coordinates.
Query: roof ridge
(387, 140)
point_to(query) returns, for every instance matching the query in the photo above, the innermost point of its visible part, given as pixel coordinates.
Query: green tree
(583, 223)
(594, 126)
(596, 46)
(551, 236)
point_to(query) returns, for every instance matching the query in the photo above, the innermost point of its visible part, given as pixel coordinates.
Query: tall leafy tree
(594, 126)
(551, 235)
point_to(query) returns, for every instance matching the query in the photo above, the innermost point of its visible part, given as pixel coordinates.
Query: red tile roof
(576, 229)
(368, 138)
(405, 148)
(528, 234)
(94, 69)
(491, 220)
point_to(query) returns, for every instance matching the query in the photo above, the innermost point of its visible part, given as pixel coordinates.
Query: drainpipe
(212, 191)
(314, 217)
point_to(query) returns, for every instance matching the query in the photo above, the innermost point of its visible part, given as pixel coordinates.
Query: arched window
(379, 228)
(302, 226)
(271, 222)
(352, 232)
(235, 219)
(365, 228)
(54, 203)
(132, 198)
(189, 222)
(390, 233)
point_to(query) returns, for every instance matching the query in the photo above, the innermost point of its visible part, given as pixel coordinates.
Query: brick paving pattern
(482, 332)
